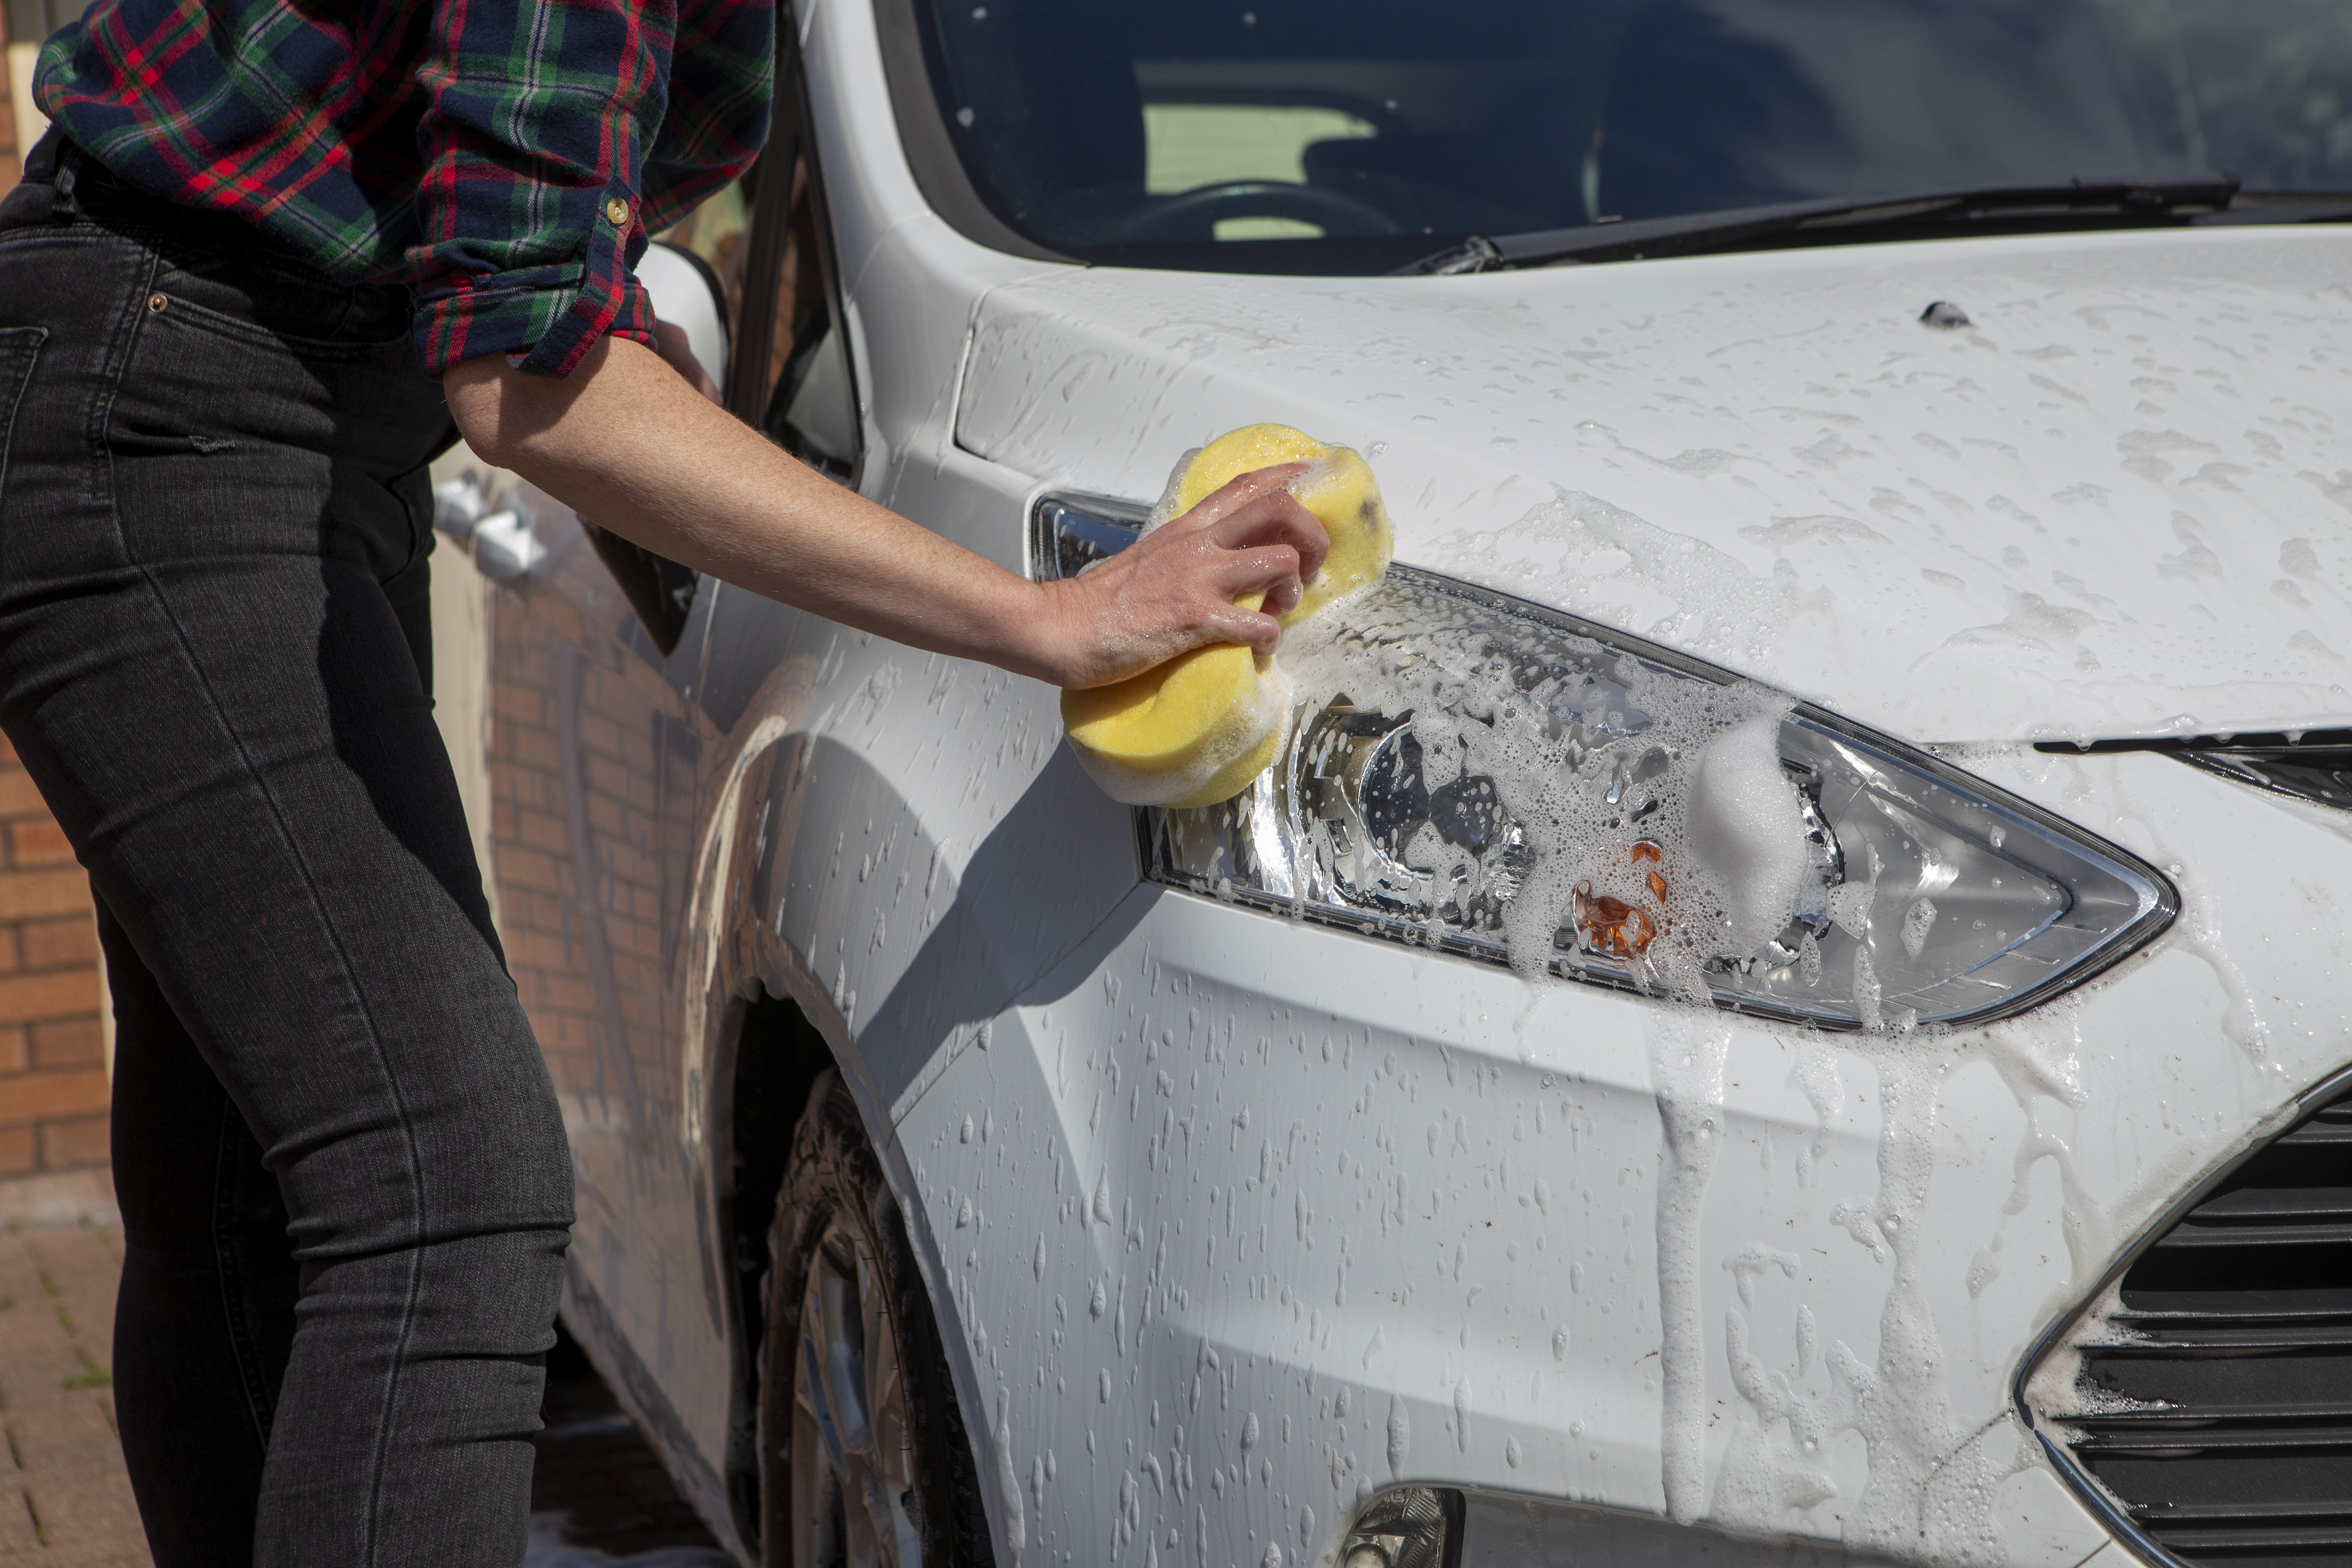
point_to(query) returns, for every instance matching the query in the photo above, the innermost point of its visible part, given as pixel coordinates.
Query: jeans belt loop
(68, 167)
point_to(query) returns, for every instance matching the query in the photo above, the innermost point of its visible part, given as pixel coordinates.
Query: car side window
(802, 391)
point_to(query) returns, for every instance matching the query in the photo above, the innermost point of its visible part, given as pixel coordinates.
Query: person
(268, 262)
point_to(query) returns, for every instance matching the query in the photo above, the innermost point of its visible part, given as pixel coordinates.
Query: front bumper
(1242, 1222)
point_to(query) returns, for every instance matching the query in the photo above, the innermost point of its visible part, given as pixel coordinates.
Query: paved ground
(64, 1499)
(600, 1499)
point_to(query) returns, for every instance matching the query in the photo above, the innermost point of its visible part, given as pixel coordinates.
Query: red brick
(60, 944)
(66, 1144)
(17, 796)
(535, 749)
(600, 735)
(38, 841)
(37, 1096)
(543, 831)
(520, 867)
(517, 703)
(25, 895)
(61, 994)
(16, 1147)
(68, 1043)
(13, 1055)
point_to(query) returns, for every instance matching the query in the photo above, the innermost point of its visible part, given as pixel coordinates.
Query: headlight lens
(1479, 774)
(1412, 1527)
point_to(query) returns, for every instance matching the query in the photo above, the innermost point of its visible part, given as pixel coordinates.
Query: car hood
(2115, 504)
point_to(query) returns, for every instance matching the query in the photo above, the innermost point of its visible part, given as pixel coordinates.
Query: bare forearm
(627, 443)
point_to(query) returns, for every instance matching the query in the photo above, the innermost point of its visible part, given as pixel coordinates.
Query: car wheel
(863, 1459)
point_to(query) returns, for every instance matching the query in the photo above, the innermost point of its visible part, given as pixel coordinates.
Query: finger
(1276, 518)
(1225, 623)
(1237, 493)
(1268, 568)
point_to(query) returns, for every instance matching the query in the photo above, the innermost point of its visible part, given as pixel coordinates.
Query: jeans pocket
(256, 299)
(19, 348)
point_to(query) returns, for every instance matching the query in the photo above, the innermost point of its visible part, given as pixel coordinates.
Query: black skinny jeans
(344, 1182)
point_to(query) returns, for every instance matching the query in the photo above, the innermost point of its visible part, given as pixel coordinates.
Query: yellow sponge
(1200, 728)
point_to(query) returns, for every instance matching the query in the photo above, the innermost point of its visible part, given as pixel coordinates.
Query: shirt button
(617, 210)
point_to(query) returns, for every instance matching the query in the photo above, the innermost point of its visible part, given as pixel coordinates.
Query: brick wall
(53, 1067)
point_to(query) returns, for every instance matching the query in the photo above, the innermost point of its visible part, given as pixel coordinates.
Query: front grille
(2221, 1419)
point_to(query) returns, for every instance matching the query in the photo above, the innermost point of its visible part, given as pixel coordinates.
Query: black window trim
(910, 67)
(790, 139)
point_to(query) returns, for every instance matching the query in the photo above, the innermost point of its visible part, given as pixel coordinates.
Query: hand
(1173, 590)
(670, 343)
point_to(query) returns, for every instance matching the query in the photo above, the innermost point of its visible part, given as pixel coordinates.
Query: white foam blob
(1749, 832)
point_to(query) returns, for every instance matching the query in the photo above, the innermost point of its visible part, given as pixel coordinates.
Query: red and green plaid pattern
(506, 159)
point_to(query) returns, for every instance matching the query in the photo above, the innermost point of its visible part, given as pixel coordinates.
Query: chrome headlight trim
(1070, 533)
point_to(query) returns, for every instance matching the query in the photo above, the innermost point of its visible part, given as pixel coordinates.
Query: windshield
(1348, 135)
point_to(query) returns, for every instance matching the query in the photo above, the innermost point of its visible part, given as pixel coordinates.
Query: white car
(1787, 994)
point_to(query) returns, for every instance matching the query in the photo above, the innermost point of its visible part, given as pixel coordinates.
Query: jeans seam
(101, 408)
(16, 400)
(234, 1292)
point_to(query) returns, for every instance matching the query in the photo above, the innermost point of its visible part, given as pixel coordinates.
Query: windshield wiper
(1695, 233)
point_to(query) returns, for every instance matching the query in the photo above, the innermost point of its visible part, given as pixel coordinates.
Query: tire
(853, 1386)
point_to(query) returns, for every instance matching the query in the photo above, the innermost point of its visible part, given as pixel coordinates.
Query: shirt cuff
(544, 318)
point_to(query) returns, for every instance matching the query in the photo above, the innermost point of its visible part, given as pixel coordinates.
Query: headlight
(1485, 776)
(1412, 1527)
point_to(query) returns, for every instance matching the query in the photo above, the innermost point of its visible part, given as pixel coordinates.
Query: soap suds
(1688, 1050)
(1568, 799)
(1749, 832)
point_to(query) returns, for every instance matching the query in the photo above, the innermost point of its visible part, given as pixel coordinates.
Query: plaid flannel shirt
(508, 160)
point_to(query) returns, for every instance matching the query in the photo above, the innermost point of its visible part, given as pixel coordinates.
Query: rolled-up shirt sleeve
(542, 124)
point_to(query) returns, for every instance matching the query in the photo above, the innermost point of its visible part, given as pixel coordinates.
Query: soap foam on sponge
(1198, 729)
